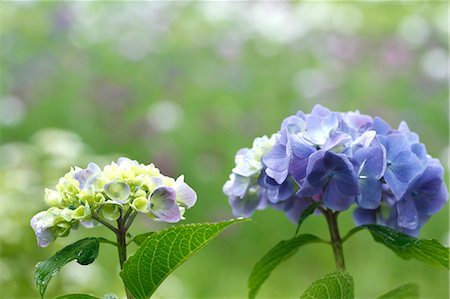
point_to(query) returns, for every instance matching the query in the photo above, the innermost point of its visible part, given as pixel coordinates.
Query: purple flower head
(338, 159)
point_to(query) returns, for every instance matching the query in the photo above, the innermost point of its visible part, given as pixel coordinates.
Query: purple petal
(364, 140)
(293, 124)
(162, 204)
(279, 177)
(308, 190)
(412, 137)
(335, 200)
(336, 140)
(276, 159)
(347, 183)
(42, 223)
(407, 214)
(245, 206)
(362, 216)
(357, 120)
(186, 196)
(428, 191)
(420, 151)
(394, 144)
(281, 192)
(381, 126)
(85, 176)
(236, 186)
(372, 161)
(295, 208)
(370, 196)
(319, 110)
(299, 159)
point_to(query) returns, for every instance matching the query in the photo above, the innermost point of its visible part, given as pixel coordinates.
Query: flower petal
(118, 191)
(362, 216)
(335, 200)
(370, 196)
(86, 176)
(162, 204)
(236, 186)
(186, 196)
(245, 206)
(402, 170)
(407, 214)
(276, 159)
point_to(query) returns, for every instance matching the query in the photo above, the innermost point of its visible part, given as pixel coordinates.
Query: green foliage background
(185, 85)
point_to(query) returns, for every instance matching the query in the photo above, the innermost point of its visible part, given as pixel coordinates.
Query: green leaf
(76, 296)
(336, 285)
(305, 214)
(406, 291)
(281, 252)
(163, 252)
(85, 251)
(428, 251)
(139, 239)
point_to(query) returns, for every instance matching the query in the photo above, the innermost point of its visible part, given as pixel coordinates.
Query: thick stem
(122, 246)
(336, 241)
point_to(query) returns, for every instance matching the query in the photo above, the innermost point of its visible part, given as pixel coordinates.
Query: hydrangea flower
(340, 159)
(81, 195)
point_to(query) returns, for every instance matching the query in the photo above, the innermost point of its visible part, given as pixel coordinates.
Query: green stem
(122, 246)
(108, 225)
(106, 241)
(336, 241)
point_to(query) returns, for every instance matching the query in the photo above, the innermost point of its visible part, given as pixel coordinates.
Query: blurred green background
(185, 85)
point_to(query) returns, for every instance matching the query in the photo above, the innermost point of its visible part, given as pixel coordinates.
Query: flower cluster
(340, 159)
(83, 195)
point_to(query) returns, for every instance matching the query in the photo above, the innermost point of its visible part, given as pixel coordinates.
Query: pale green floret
(81, 213)
(99, 199)
(53, 198)
(110, 211)
(118, 191)
(140, 204)
(140, 193)
(262, 145)
(66, 214)
(87, 196)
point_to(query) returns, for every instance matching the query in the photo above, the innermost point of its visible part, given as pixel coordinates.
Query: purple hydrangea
(340, 160)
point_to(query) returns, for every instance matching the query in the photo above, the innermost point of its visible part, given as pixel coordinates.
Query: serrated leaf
(85, 251)
(305, 214)
(163, 252)
(336, 285)
(406, 291)
(77, 296)
(428, 251)
(279, 253)
(139, 239)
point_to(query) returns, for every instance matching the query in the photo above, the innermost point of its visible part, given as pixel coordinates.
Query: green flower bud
(140, 204)
(140, 193)
(82, 212)
(52, 198)
(110, 211)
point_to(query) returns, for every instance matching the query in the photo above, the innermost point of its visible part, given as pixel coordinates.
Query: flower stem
(105, 223)
(122, 246)
(336, 241)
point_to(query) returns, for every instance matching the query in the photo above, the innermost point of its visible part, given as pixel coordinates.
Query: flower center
(330, 174)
